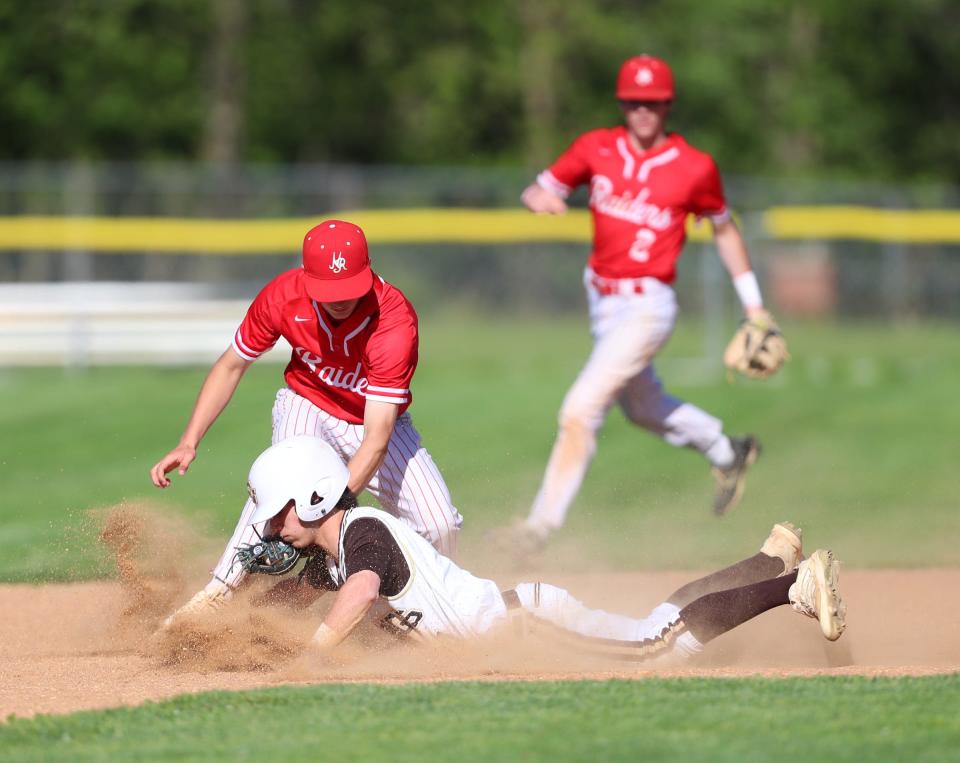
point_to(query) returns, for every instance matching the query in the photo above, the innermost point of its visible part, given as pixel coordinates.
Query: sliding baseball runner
(355, 343)
(368, 556)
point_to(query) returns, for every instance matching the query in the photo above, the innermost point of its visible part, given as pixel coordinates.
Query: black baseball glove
(271, 555)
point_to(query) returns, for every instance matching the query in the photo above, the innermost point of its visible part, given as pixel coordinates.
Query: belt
(606, 287)
(511, 599)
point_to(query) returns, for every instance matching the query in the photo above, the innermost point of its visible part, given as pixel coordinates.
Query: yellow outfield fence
(424, 226)
(396, 226)
(924, 226)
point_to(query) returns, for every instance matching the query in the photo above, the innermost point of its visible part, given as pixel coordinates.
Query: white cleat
(786, 542)
(815, 593)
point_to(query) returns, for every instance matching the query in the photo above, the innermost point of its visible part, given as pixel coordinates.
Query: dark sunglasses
(649, 105)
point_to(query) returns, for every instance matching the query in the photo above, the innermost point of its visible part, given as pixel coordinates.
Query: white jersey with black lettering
(439, 597)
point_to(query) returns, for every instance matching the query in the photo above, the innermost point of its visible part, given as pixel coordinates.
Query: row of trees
(860, 88)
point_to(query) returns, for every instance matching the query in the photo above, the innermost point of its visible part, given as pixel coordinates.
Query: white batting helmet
(302, 469)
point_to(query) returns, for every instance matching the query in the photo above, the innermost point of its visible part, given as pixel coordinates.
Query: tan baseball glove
(757, 349)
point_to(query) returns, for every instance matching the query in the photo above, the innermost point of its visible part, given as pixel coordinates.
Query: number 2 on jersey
(640, 249)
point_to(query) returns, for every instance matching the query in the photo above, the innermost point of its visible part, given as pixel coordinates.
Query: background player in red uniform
(644, 182)
(354, 340)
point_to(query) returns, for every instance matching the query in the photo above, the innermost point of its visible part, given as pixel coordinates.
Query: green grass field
(859, 434)
(860, 441)
(837, 719)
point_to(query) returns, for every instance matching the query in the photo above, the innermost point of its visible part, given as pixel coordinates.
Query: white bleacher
(85, 324)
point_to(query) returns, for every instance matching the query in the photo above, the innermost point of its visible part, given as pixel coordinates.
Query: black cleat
(731, 481)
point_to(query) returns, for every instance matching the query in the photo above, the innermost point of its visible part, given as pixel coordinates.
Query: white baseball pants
(407, 484)
(628, 331)
(560, 616)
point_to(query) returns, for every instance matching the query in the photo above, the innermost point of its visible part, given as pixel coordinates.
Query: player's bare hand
(179, 458)
(538, 199)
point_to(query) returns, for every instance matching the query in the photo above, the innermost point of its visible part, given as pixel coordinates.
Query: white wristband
(748, 290)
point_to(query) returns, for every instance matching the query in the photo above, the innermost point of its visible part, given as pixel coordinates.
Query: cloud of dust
(241, 638)
(151, 551)
(244, 637)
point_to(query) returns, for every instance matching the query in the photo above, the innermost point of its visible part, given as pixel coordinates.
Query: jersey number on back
(402, 622)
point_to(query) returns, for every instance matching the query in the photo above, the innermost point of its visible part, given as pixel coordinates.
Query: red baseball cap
(645, 78)
(336, 262)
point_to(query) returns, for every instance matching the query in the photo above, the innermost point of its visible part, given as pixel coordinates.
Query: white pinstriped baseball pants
(628, 331)
(559, 615)
(407, 484)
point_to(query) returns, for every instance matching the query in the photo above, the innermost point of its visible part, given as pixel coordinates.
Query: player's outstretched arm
(215, 393)
(352, 602)
(379, 419)
(539, 200)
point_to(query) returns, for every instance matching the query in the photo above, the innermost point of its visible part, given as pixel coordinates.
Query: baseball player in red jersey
(643, 182)
(354, 339)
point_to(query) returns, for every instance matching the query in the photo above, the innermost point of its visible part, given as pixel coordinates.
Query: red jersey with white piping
(338, 366)
(639, 200)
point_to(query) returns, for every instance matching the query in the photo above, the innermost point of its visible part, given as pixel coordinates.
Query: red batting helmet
(645, 78)
(336, 262)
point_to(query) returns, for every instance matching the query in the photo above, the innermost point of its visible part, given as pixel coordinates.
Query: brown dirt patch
(79, 646)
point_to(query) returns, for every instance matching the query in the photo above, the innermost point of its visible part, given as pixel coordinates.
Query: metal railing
(76, 301)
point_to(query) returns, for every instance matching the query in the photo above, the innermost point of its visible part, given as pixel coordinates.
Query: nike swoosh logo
(298, 319)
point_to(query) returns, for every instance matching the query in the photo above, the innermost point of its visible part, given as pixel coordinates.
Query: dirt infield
(87, 645)
(69, 647)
